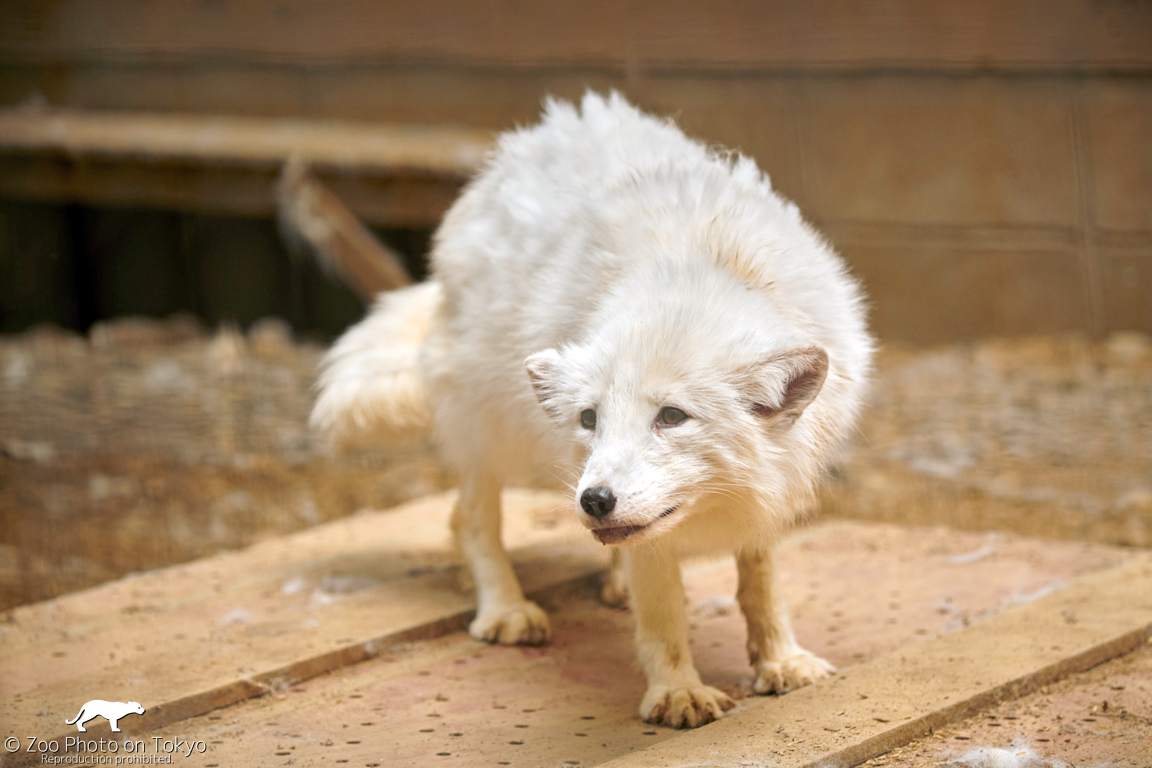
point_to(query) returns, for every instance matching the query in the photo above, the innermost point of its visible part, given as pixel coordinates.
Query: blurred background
(984, 167)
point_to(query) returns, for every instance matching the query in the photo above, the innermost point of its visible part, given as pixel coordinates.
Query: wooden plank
(396, 175)
(575, 699)
(574, 702)
(872, 708)
(824, 35)
(243, 623)
(312, 217)
(372, 148)
(1092, 718)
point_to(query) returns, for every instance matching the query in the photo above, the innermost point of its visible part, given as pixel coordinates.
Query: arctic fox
(613, 297)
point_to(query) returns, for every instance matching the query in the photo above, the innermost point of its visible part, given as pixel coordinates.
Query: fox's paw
(685, 707)
(788, 674)
(518, 624)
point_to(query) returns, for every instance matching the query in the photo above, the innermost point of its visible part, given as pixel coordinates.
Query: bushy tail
(370, 387)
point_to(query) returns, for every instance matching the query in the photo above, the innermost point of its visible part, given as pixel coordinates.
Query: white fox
(613, 297)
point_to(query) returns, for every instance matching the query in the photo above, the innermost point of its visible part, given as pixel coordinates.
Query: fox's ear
(783, 385)
(544, 370)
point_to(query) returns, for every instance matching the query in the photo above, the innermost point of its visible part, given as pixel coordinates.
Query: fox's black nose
(598, 502)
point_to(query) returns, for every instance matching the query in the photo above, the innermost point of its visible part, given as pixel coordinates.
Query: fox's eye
(588, 419)
(670, 416)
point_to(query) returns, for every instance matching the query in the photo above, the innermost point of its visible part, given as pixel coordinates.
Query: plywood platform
(1095, 718)
(203, 635)
(344, 644)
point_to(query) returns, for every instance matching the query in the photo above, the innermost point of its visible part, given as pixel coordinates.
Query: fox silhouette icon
(109, 710)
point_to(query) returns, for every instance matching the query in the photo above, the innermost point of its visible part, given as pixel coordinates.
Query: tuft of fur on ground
(1016, 755)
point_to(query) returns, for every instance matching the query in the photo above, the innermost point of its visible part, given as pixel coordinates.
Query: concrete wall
(985, 167)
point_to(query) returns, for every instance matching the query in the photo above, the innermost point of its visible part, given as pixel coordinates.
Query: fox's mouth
(620, 533)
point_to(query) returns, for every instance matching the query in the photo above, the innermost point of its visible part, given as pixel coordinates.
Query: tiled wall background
(986, 168)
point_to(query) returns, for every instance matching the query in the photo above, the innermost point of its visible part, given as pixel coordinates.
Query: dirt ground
(149, 443)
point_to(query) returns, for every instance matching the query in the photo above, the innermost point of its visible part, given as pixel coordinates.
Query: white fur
(370, 384)
(629, 268)
(1017, 755)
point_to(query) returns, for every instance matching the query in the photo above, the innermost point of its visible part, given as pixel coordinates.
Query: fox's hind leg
(503, 615)
(779, 663)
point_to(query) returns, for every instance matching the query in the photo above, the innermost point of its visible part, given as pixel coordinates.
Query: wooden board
(389, 174)
(1092, 718)
(906, 613)
(371, 148)
(869, 710)
(203, 635)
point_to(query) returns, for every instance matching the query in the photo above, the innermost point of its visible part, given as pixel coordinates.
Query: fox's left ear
(783, 385)
(544, 372)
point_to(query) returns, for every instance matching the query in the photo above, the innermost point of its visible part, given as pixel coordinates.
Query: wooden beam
(312, 216)
(393, 175)
(244, 141)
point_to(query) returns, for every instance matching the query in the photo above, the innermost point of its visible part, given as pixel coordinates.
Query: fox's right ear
(544, 370)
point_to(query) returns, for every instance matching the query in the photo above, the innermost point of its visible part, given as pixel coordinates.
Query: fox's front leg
(503, 615)
(778, 662)
(675, 695)
(614, 591)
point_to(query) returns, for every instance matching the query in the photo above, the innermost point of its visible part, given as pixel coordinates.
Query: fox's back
(565, 216)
